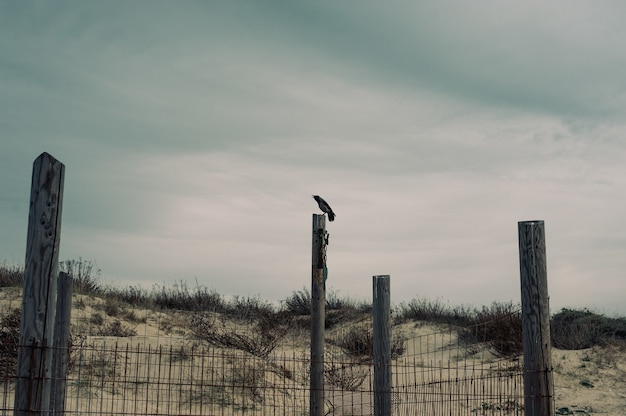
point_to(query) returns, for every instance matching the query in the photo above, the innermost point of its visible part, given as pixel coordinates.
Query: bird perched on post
(325, 207)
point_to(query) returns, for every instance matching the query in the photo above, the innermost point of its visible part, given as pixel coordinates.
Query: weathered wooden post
(382, 345)
(318, 314)
(61, 344)
(538, 383)
(34, 365)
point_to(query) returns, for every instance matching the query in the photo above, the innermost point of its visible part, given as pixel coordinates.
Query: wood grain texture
(538, 382)
(61, 353)
(381, 310)
(34, 366)
(318, 314)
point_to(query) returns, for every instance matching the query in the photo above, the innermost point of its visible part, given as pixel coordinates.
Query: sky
(194, 134)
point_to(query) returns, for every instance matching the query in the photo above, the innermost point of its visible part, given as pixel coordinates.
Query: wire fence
(159, 369)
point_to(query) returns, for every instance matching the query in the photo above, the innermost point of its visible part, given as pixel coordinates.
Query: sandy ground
(587, 382)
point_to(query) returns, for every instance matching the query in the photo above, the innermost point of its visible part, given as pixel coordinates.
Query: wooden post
(538, 383)
(61, 344)
(382, 345)
(34, 365)
(318, 314)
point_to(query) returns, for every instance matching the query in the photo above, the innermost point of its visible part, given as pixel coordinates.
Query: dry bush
(11, 276)
(338, 317)
(259, 340)
(435, 311)
(241, 387)
(359, 342)
(112, 306)
(9, 342)
(85, 276)
(97, 319)
(116, 329)
(500, 326)
(248, 308)
(299, 303)
(573, 329)
(134, 295)
(180, 297)
(345, 376)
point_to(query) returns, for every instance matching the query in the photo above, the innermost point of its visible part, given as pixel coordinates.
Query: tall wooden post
(61, 344)
(318, 314)
(381, 310)
(538, 383)
(34, 362)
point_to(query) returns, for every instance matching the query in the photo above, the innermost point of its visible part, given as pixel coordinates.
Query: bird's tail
(331, 216)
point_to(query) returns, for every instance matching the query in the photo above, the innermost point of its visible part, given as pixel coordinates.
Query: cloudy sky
(195, 133)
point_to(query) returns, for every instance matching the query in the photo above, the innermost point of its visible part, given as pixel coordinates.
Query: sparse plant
(79, 303)
(132, 316)
(180, 354)
(435, 311)
(574, 329)
(96, 319)
(99, 366)
(336, 302)
(85, 276)
(134, 295)
(500, 326)
(359, 342)
(248, 308)
(346, 376)
(9, 342)
(116, 329)
(180, 297)
(254, 340)
(112, 306)
(299, 303)
(11, 276)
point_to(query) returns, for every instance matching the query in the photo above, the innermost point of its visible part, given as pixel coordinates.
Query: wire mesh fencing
(134, 361)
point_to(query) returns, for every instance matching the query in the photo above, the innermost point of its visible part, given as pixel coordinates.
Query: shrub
(9, 341)
(112, 306)
(500, 326)
(435, 311)
(85, 276)
(248, 308)
(573, 329)
(299, 303)
(346, 376)
(359, 343)
(134, 295)
(259, 340)
(11, 276)
(116, 329)
(181, 298)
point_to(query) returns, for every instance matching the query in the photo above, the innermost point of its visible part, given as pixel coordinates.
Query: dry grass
(248, 335)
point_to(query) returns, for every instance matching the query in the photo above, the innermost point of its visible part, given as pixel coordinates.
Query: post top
(531, 222)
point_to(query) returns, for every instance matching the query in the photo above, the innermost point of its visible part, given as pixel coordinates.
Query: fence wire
(238, 370)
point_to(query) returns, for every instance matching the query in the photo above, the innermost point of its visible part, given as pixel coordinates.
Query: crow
(325, 207)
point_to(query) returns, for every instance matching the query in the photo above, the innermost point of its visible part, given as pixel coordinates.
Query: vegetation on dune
(498, 325)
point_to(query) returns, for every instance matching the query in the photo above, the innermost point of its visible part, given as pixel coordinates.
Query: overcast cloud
(195, 133)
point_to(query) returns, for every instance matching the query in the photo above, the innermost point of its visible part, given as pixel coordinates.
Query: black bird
(325, 207)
